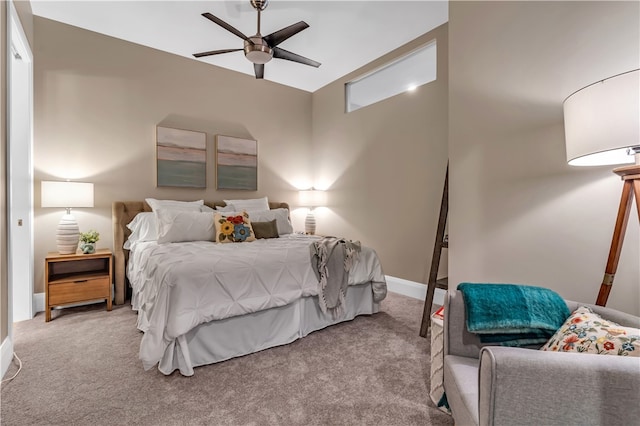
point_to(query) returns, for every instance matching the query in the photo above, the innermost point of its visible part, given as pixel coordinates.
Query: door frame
(17, 42)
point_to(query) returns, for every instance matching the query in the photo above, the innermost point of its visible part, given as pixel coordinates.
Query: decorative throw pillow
(587, 332)
(280, 215)
(265, 229)
(233, 228)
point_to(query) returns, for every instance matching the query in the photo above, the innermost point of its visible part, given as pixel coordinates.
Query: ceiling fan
(258, 49)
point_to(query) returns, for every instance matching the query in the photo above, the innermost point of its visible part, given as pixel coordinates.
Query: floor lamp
(602, 127)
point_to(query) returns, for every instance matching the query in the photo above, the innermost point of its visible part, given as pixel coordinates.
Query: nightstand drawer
(78, 291)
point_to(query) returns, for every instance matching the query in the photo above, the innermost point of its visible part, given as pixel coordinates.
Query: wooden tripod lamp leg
(636, 190)
(618, 238)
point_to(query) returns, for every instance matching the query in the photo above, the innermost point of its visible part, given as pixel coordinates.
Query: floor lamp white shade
(602, 122)
(67, 195)
(312, 198)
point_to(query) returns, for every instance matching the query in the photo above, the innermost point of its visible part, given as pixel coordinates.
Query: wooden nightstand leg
(109, 302)
(47, 308)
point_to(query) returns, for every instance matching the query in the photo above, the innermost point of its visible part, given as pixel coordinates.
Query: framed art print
(236, 163)
(182, 158)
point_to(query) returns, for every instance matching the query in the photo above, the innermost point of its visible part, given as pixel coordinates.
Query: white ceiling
(343, 35)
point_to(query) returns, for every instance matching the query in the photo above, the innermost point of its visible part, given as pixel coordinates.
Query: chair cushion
(461, 388)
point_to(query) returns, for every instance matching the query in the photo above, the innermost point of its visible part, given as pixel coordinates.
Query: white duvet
(178, 286)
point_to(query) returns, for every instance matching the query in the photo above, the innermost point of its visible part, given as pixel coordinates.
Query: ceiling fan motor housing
(259, 52)
(259, 4)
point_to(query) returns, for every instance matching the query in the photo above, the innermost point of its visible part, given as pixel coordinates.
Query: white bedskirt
(220, 340)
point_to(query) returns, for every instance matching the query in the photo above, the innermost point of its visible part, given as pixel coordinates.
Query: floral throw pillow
(234, 228)
(587, 332)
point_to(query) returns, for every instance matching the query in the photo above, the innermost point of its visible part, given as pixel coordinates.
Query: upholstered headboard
(122, 214)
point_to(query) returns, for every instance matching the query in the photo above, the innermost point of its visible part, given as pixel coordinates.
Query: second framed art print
(236, 163)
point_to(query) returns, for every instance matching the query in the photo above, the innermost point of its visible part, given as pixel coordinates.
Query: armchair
(497, 385)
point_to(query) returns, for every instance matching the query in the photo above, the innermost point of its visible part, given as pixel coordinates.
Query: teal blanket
(511, 314)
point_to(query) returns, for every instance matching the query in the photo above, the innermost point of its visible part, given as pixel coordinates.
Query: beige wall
(518, 212)
(98, 101)
(384, 165)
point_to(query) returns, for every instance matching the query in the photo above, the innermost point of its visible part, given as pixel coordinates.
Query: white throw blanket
(332, 259)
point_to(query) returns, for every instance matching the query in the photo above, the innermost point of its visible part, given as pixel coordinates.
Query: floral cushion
(233, 228)
(587, 332)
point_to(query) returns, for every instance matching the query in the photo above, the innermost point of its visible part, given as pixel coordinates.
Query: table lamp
(312, 198)
(602, 127)
(67, 195)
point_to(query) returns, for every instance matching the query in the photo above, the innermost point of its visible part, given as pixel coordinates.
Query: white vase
(67, 235)
(310, 223)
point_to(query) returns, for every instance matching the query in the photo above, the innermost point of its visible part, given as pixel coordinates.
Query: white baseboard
(6, 355)
(38, 302)
(413, 289)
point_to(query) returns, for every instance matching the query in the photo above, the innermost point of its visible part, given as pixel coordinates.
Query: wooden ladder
(440, 243)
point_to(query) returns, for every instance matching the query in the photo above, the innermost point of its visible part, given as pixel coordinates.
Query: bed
(202, 302)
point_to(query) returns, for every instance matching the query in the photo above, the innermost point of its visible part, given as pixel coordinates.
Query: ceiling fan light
(258, 56)
(258, 52)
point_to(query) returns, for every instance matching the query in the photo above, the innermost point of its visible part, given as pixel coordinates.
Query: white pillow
(280, 215)
(252, 205)
(143, 228)
(225, 208)
(206, 209)
(176, 226)
(194, 206)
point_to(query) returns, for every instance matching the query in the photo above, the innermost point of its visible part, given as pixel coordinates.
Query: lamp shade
(602, 121)
(66, 194)
(313, 198)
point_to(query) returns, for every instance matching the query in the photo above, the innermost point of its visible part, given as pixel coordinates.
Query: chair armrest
(525, 386)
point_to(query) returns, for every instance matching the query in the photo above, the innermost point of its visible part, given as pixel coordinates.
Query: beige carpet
(82, 368)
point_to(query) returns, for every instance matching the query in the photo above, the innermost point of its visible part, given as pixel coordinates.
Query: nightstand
(75, 278)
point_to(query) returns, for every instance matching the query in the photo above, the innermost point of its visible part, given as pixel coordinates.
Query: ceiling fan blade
(214, 52)
(259, 70)
(279, 36)
(289, 56)
(226, 26)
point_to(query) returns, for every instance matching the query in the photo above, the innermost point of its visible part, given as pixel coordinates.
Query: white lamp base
(310, 223)
(67, 235)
